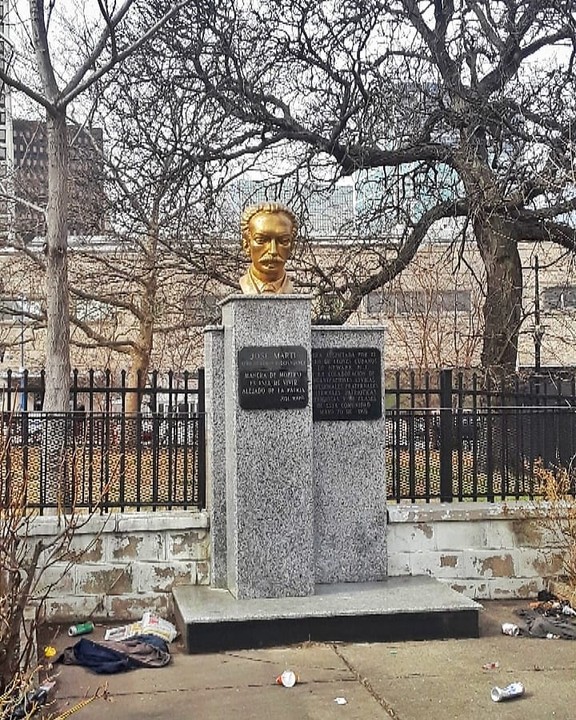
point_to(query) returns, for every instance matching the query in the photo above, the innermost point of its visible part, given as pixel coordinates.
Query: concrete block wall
(484, 550)
(127, 563)
(130, 562)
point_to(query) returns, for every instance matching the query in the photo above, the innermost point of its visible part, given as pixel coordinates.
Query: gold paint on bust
(268, 237)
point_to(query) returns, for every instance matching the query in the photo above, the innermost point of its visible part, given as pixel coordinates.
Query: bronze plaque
(273, 378)
(346, 384)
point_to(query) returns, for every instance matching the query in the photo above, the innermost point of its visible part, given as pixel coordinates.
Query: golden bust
(268, 237)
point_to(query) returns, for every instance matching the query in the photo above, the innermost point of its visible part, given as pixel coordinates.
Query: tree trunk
(57, 392)
(142, 351)
(503, 302)
(140, 355)
(57, 388)
(137, 375)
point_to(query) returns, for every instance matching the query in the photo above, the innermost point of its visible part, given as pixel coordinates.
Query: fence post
(446, 436)
(201, 441)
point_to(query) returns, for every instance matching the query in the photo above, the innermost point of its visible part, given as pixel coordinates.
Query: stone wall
(130, 563)
(133, 560)
(484, 550)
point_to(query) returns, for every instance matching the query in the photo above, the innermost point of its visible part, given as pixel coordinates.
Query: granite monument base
(402, 608)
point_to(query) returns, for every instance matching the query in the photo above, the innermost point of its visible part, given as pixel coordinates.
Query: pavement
(427, 680)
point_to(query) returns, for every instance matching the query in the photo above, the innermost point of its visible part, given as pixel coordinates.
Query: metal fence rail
(108, 457)
(474, 440)
(447, 437)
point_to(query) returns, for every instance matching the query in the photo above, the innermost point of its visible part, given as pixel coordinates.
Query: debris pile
(549, 617)
(138, 645)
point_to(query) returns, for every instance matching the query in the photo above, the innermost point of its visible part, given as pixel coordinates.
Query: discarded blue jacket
(114, 657)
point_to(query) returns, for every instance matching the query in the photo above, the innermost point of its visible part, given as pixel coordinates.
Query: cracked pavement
(406, 681)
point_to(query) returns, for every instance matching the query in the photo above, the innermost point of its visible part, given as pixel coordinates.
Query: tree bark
(503, 301)
(141, 352)
(57, 491)
(57, 394)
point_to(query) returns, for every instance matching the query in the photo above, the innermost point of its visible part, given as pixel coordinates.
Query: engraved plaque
(273, 378)
(346, 384)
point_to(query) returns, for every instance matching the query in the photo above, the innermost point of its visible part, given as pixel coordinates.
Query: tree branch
(77, 86)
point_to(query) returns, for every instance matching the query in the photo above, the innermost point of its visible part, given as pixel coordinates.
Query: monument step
(398, 608)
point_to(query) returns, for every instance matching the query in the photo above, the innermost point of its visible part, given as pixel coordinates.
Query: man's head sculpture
(268, 237)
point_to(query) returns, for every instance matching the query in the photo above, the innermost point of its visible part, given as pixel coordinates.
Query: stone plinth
(216, 452)
(269, 499)
(349, 466)
(411, 608)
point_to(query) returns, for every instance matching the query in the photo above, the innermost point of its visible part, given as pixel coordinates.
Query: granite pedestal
(406, 608)
(296, 488)
(349, 455)
(268, 450)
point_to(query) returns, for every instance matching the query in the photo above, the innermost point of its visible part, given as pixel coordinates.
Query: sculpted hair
(265, 207)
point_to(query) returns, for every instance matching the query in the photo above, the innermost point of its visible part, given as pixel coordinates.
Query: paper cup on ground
(287, 679)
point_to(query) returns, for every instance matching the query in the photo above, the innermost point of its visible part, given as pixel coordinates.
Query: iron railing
(469, 438)
(450, 436)
(118, 448)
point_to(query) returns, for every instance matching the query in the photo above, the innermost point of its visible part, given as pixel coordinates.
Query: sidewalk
(431, 680)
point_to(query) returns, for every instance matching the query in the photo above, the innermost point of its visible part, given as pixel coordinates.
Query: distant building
(87, 202)
(325, 212)
(6, 147)
(363, 208)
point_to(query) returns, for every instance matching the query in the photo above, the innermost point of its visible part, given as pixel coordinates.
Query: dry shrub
(25, 559)
(558, 513)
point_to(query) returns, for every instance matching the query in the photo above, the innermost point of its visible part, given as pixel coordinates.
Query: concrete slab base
(402, 608)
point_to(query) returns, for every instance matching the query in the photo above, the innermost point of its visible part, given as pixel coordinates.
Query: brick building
(87, 201)
(432, 312)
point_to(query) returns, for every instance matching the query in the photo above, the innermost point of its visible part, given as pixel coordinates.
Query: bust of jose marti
(268, 238)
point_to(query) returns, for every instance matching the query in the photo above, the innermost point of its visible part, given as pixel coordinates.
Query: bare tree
(141, 198)
(25, 581)
(155, 202)
(59, 76)
(453, 117)
(432, 313)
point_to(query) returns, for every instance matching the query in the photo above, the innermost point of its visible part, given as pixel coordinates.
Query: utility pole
(21, 381)
(538, 331)
(22, 329)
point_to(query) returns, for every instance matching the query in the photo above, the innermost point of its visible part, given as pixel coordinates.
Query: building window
(381, 303)
(328, 305)
(559, 297)
(10, 310)
(201, 309)
(416, 302)
(17, 310)
(455, 300)
(93, 310)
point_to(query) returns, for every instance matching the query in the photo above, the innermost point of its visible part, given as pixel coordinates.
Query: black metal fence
(450, 436)
(120, 447)
(462, 437)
